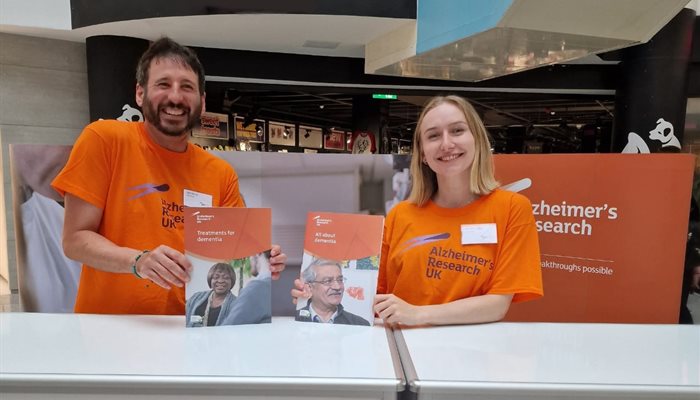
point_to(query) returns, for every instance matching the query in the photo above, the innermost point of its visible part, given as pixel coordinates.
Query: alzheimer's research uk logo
(322, 221)
(199, 217)
(421, 240)
(148, 188)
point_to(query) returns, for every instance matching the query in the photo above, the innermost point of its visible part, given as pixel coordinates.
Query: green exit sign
(384, 96)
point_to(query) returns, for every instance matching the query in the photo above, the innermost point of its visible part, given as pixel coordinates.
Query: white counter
(96, 356)
(546, 360)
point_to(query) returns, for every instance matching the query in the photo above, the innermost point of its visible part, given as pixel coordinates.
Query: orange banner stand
(612, 231)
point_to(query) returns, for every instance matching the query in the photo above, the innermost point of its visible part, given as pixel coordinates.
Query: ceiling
(322, 35)
(553, 113)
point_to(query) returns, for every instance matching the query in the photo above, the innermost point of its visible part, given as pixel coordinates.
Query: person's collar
(174, 144)
(315, 317)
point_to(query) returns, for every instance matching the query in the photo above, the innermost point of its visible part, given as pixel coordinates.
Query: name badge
(479, 234)
(196, 199)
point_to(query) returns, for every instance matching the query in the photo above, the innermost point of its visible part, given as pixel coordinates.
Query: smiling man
(124, 188)
(325, 283)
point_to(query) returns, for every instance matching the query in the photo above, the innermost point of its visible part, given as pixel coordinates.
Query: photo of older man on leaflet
(324, 283)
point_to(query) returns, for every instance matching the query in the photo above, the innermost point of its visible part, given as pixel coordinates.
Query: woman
(459, 250)
(211, 307)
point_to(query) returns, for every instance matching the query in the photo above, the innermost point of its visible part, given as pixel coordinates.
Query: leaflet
(339, 268)
(230, 253)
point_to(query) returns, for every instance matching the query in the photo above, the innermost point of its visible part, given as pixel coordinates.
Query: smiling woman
(455, 209)
(460, 250)
(211, 307)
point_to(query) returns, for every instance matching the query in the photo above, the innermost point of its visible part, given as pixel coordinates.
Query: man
(124, 188)
(325, 281)
(254, 303)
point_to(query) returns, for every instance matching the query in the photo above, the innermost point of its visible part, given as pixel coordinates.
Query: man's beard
(152, 116)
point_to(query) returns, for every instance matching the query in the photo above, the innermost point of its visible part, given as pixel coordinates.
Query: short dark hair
(221, 267)
(168, 48)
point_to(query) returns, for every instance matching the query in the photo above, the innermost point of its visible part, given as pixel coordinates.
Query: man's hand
(393, 310)
(165, 266)
(277, 261)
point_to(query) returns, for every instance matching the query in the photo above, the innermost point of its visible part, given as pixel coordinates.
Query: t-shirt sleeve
(88, 172)
(231, 193)
(518, 268)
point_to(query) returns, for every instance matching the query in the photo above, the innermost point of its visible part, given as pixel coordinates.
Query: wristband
(133, 266)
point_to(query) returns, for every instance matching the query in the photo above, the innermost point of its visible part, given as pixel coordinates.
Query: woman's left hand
(393, 310)
(277, 261)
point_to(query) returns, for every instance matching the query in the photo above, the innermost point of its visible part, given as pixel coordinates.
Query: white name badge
(196, 199)
(479, 234)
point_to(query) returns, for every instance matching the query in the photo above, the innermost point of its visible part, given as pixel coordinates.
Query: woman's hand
(298, 291)
(277, 261)
(393, 310)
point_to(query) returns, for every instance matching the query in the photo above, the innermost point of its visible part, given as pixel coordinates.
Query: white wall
(51, 14)
(43, 99)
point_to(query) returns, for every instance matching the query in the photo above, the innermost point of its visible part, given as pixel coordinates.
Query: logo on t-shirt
(444, 259)
(421, 240)
(148, 188)
(172, 214)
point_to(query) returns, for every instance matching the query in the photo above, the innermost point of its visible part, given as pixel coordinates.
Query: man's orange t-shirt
(139, 185)
(424, 261)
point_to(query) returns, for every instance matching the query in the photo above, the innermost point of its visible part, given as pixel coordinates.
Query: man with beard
(325, 283)
(124, 188)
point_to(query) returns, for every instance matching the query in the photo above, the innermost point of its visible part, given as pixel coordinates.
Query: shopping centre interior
(550, 79)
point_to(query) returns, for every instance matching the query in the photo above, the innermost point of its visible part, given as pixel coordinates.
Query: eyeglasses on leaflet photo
(328, 282)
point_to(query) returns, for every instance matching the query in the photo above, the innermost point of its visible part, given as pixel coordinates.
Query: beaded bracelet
(133, 266)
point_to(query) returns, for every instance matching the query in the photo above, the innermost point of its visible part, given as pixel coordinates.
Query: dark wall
(92, 12)
(111, 67)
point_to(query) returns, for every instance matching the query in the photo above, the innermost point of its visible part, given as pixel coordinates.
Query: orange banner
(612, 231)
(223, 233)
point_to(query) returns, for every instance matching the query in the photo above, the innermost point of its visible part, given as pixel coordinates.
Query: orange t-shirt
(139, 186)
(424, 261)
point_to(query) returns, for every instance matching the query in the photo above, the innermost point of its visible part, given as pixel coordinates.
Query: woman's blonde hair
(481, 179)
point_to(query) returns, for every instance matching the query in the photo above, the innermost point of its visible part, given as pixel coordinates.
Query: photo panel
(282, 134)
(310, 137)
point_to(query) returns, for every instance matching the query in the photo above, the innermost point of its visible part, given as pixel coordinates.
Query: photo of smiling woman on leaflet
(211, 307)
(459, 250)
